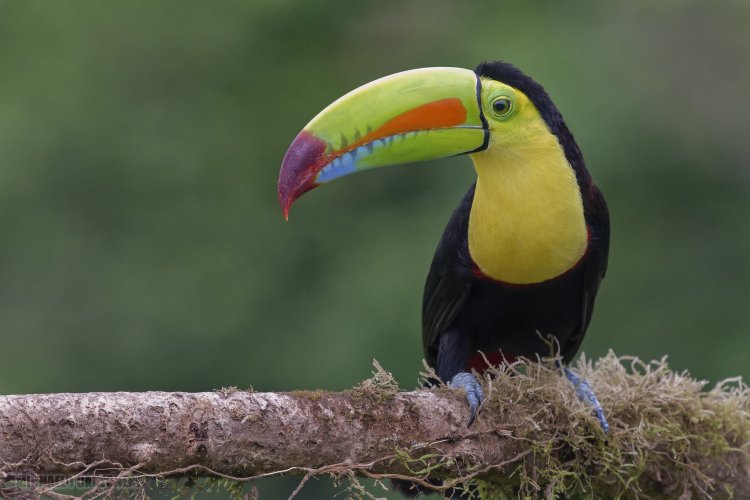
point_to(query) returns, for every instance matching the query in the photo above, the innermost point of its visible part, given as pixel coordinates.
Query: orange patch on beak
(433, 115)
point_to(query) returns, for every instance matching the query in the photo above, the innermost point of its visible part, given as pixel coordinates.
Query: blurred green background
(142, 246)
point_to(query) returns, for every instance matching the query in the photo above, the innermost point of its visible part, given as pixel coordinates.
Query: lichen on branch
(670, 436)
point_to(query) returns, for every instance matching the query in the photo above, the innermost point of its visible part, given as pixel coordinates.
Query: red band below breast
(496, 358)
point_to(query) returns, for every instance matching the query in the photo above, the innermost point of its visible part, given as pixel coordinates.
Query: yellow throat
(526, 223)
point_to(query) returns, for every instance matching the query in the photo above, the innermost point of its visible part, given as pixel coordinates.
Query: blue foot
(474, 394)
(586, 394)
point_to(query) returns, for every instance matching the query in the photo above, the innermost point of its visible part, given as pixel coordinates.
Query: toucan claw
(586, 394)
(474, 394)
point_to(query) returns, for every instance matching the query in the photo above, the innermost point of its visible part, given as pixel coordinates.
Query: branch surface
(669, 436)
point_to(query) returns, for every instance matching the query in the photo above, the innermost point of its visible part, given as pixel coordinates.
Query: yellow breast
(526, 223)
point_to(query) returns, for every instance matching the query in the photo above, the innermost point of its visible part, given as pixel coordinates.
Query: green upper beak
(417, 115)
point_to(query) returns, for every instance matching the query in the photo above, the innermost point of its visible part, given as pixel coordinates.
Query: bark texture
(236, 433)
(532, 436)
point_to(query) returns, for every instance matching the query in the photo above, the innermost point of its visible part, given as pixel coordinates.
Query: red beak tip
(286, 205)
(301, 163)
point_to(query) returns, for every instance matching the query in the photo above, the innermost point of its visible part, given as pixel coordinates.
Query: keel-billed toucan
(525, 250)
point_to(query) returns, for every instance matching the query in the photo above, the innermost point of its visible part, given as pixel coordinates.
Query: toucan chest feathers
(527, 220)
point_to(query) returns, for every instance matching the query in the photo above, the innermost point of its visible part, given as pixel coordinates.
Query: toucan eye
(501, 106)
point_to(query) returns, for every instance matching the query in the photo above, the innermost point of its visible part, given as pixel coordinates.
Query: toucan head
(417, 115)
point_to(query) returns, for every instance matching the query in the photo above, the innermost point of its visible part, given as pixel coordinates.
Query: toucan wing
(595, 266)
(449, 280)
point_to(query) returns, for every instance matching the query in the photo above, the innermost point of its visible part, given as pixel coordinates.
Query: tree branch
(669, 437)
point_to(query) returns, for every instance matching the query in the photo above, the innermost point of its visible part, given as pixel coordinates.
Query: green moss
(226, 391)
(313, 395)
(377, 389)
(668, 434)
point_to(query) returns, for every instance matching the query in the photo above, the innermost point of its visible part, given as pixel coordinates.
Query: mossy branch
(669, 436)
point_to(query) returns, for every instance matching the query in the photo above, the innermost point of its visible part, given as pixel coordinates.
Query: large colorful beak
(412, 116)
